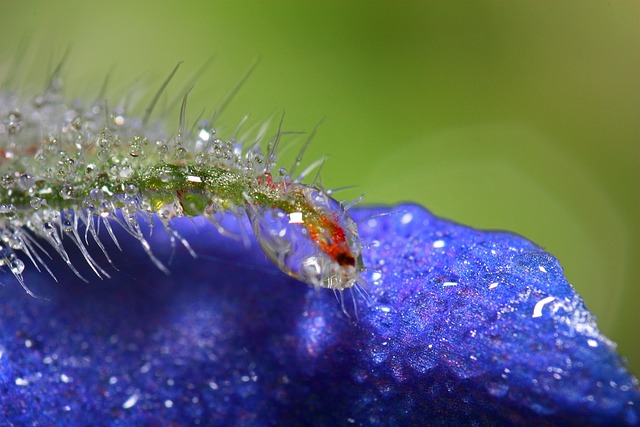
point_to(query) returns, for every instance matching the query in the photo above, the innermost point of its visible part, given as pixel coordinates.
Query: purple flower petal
(465, 327)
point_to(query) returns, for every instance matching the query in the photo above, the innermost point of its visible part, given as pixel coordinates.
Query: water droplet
(204, 135)
(9, 211)
(201, 159)
(67, 191)
(104, 155)
(125, 172)
(49, 227)
(51, 143)
(37, 202)
(14, 122)
(163, 149)
(166, 212)
(67, 226)
(96, 194)
(15, 242)
(180, 153)
(135, 150)
(26, 181)
(498, 389)
(105, 209)
(7, 180)
(88, 205)
(131, 190)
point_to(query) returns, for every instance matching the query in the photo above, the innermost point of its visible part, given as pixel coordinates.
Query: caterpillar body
(66, 169)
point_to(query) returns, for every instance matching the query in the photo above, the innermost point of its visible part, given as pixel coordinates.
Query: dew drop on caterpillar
(67, 169)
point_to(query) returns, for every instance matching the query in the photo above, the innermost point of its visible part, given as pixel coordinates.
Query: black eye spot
(346, 259)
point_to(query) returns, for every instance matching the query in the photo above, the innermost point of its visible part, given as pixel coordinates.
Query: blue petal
(463, 327)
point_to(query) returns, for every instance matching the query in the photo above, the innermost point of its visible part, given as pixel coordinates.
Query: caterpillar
(67, 169)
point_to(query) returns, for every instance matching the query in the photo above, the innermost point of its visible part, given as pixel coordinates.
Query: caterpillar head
(316, 241)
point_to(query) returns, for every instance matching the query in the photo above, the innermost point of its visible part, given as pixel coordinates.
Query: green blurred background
(503, 115)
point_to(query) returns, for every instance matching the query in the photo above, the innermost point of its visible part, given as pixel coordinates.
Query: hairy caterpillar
(68, 169)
